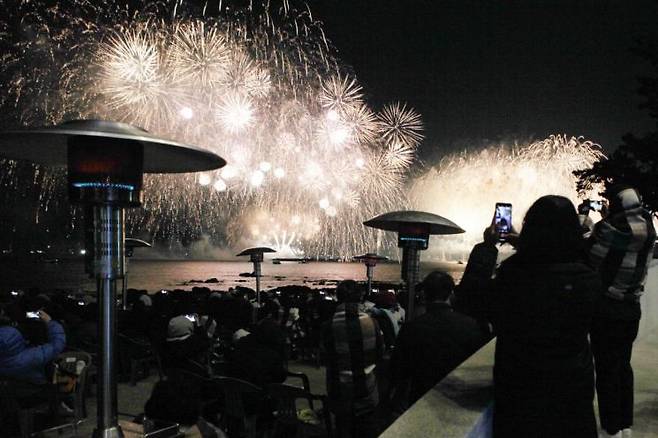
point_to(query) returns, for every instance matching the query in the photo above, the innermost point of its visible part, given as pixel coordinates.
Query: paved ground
(133, 398)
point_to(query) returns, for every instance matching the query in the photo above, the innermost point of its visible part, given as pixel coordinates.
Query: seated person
(389, 316)
(188, 343)
(259, 358)
(429, 347)
(26, 364)
(177, 400)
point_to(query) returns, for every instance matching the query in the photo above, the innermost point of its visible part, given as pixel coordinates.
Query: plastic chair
(243, 403)
(79, 393)
(285, 399)
(10, 407)
(79, 400)
(136, 355)
(306, 384)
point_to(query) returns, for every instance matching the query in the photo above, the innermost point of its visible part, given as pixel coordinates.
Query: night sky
(492, 70)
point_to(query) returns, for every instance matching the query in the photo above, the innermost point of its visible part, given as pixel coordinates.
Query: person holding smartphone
(540, 305)
(26, 364)
(620, 249)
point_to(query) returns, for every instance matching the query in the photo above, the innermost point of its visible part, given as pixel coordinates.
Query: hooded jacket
(621, 248)
(21, 362)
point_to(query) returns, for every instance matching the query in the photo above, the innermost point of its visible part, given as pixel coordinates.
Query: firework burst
(258, 84)
(199, 55)
(465, 186)
(340, 93)
(401, 125)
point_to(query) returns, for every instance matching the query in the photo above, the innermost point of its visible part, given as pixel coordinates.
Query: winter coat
(432, 345)
(21, 362)
(543, 372)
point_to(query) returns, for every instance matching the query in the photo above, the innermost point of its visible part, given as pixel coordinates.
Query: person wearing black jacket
(541, 306)
(432, 345)
(259, 357)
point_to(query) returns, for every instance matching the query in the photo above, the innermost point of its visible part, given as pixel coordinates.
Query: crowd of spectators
(557, 300)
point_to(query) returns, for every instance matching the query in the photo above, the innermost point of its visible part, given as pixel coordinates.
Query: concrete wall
(649, 322)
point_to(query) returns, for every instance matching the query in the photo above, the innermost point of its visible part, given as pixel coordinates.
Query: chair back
(235, 391)
(285, 401)
(79, 404)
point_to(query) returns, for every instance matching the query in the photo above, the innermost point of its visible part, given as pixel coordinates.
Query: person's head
(268, 333)
(622, 197)
(180, 328)
(348, 291)
(385, 300)
(551, 231)
(437, 286)
(145, 300)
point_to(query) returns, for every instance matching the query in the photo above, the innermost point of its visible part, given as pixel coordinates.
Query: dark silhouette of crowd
(564, 310)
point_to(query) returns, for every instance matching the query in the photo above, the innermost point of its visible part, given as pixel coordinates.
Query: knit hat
(179, 328)
(148, 302)
(623, 197)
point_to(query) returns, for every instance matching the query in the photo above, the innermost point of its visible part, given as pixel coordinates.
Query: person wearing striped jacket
(353, 344)
(621, 248)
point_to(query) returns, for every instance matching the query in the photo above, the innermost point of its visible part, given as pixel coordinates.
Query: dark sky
(499, 69)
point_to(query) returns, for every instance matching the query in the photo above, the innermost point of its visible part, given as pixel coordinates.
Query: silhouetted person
(353, 344)
(433, 344)
(188, 343)
(542, 302)
(621, 248)
(259, 357)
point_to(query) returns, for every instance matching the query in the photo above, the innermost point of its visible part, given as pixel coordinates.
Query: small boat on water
(279, 260)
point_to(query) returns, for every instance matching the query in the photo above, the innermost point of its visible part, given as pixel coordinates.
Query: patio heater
(105, 164)
(131, 244)
(370, 260)
(414, 229)
(256, 257)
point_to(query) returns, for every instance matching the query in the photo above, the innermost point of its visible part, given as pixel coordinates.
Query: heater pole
(109, 264)
(410, 274)
(257, 272)
(124, 292)
(369, 269)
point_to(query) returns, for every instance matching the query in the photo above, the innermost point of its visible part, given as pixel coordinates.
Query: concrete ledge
(454, 405)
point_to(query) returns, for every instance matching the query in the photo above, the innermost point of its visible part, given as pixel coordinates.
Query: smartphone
(191, 317)
(595, 205)
(32, 315)
(503, 219)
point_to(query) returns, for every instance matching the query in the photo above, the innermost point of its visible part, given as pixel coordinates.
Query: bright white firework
(362, 124)
(131, 78)
(235, 113)
(251, 84)
(340, 93)
(220, 185)
(204, 179)
(464, 187)
(401, 125)
(399, 155)
(199, 54)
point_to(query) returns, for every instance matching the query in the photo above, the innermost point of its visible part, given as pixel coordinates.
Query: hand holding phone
(595, 205)
(503, 219)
